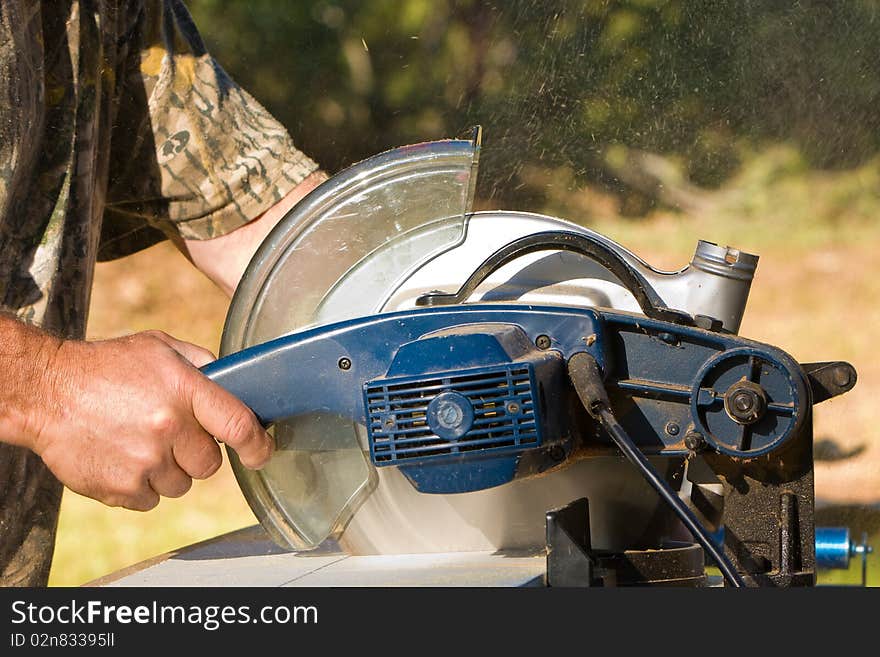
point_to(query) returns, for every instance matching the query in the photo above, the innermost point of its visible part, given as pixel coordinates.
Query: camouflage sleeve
(192, 154)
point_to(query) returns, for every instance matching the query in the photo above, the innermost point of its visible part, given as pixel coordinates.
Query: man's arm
(123, 421)
(224, 259)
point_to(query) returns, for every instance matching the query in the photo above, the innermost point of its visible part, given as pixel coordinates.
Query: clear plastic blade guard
(319, 474)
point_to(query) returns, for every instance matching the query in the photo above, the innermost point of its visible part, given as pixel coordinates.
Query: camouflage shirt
(117, 129)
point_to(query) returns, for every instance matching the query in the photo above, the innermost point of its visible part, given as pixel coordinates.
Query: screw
(842, 376)
(513, 408)
(344, 364)
(744, 402)
(557, 453)
(672, 428)
(694, 441)
(668, 338)
(542, 342)
(449, 415)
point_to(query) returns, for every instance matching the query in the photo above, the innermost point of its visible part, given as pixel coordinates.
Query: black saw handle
(560, 240)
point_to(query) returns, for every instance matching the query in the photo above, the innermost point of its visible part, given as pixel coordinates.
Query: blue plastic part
(459, 418)
(662, 378)
(447, 478)
(300, 373)
(400, 427)
(450, 415)
(500, 418)
(833, 547)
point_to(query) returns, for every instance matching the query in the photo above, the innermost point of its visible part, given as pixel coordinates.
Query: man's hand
(126, 421)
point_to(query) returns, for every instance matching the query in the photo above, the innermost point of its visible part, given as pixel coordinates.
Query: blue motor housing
(465, 409)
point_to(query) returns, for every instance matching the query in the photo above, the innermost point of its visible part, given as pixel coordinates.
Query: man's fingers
(195, 354)
(197, 454)
(225, 417)
(170, 481)
(143, 501)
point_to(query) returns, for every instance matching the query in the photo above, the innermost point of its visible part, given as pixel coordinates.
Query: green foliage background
(573, 87)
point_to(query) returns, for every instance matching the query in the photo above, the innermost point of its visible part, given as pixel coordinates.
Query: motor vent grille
(502, 397)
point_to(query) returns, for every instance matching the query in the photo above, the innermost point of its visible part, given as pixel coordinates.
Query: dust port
(724, 261)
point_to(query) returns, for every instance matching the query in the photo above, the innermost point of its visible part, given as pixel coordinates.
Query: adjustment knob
(450, 415)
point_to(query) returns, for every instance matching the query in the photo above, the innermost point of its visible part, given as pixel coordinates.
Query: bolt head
(668, 338)
(694, 441)
(557, 453)
(745, 402)
(542, 342)
(842, 376)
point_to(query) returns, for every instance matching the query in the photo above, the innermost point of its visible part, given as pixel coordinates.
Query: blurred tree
(640, 97)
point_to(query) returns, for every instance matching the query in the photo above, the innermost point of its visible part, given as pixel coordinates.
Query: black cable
(617, 433)
(584, 373)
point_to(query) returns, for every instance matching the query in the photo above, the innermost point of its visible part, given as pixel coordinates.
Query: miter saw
(440, 380)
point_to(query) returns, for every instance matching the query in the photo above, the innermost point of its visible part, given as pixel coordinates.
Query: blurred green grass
(815, 295)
